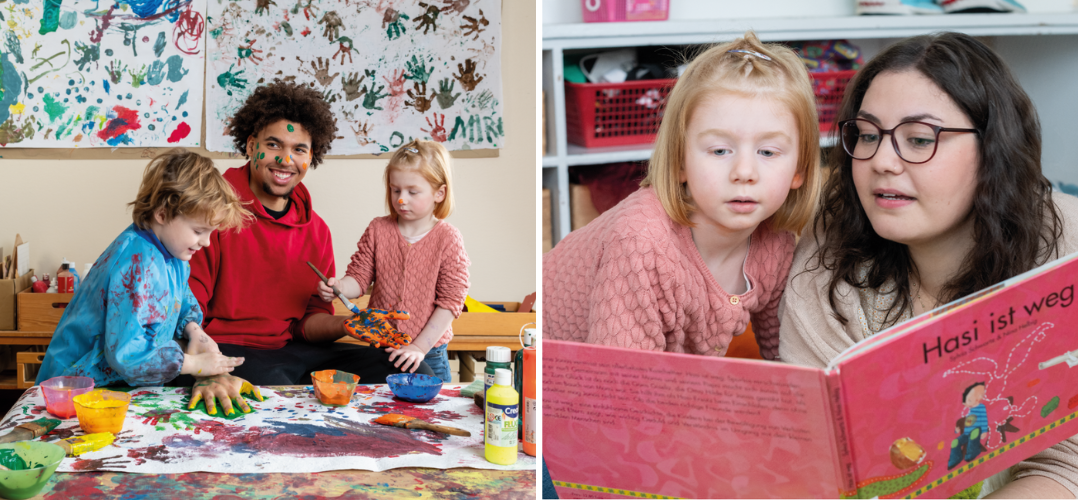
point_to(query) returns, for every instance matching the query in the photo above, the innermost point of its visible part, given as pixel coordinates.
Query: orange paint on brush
(393, 419)
(1033, 382)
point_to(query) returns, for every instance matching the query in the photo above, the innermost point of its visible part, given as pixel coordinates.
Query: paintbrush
(30, 430)
(406, 422)
(347, 303)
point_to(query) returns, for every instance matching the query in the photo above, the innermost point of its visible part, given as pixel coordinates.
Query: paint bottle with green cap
(500, 429)
(497, 357)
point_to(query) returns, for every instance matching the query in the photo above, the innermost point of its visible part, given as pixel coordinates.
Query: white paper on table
(22, 258)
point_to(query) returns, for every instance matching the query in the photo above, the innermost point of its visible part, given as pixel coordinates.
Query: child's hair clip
(412, 150)
(750, 52)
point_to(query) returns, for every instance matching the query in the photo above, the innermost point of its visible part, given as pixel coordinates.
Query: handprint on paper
(333, 25)
(428, 21)
(467, 77)
(476, 26)
(437, 129)
(419, 99)
(445, 93)
(350, 83)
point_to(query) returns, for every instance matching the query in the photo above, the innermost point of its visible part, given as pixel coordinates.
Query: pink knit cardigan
(634, 278)
(416, 278)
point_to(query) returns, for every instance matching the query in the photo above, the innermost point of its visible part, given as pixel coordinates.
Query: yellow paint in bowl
(102, 410)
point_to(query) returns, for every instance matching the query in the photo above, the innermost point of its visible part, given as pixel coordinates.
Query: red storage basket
(829, 87)
(606, 11)
(622, 114)
(614, 114)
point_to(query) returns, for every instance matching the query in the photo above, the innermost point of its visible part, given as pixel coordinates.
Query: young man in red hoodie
(258, 296)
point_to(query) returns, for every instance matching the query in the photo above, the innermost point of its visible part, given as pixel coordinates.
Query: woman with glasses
(936, 193)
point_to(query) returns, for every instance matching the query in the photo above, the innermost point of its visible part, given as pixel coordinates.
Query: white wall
(568, 11)
(75, 208)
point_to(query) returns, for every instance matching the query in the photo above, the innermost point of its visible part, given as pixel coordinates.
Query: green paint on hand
(236, 413)
(290, 128)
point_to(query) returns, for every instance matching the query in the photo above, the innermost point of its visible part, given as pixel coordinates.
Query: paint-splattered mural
(101, 73)
(392, 70)
(291, 431)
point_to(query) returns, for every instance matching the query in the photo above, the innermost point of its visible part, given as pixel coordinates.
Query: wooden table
(395, 483)
(473, 333)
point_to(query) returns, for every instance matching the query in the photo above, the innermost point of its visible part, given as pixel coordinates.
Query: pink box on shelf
(606, 11)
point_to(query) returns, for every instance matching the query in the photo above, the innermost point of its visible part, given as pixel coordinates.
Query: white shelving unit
(1047, 67)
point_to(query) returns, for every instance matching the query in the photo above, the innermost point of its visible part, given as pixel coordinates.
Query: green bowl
(32, 464)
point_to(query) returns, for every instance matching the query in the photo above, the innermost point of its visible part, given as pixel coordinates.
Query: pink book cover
(623, 423)
(969, 390)
(926, 409)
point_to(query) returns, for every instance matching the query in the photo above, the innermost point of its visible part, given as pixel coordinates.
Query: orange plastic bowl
(334, 387)
(102, 411)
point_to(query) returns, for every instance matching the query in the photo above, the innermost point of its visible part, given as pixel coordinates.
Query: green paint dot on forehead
(290, 129)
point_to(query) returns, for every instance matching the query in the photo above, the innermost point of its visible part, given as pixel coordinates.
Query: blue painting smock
(124, 320)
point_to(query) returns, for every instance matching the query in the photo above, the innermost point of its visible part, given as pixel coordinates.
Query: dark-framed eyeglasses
(915, 142)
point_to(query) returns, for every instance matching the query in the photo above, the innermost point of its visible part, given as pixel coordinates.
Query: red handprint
(437, 129)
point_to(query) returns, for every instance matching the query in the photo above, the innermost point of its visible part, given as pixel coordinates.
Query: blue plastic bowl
(414, 387)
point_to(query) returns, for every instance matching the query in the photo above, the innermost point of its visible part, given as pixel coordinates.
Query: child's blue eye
(720, 152)
(767, 154)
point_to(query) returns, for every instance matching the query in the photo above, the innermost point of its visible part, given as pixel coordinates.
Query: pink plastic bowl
(59, 391)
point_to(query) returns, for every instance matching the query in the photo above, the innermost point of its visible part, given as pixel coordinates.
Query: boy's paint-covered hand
(224, 388)
(370, 326)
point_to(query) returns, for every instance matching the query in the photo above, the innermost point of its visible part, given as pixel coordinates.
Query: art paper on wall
(91, 73)
(392, 70)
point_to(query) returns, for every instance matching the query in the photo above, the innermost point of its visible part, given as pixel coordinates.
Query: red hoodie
(254, 285)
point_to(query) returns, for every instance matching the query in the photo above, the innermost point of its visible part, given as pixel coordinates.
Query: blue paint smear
(183, 99)
(12, 85)
(1070, 189)
(106, 85)
(120, 139)
(144, 8)
(68, 19)
(175, 69)
(307, 430)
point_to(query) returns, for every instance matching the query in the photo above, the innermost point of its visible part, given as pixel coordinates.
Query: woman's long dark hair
(1016, 226)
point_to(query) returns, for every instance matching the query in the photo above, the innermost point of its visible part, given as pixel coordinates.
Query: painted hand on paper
(415, 56)
(370, 325)
(84, 73)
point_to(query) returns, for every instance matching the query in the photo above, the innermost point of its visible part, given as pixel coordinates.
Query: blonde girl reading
(683, 264)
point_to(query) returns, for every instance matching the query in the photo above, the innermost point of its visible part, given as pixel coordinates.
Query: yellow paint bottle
(502, 419)
(78, 445)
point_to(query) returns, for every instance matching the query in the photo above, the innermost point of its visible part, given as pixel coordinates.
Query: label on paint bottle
(501, 425)
(488, 381)
(529, 420)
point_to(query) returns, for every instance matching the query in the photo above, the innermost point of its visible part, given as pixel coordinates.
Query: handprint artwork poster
(392, 70)
(87, 73)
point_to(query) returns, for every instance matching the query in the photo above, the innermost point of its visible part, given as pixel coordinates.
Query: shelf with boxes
(1034, 58)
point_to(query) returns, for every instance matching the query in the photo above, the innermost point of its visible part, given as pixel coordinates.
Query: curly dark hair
(1016, 226)
(285, 101)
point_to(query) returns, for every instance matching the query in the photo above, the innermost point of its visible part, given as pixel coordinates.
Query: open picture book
(928, 408)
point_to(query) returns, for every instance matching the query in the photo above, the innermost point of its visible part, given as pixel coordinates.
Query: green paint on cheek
(256, 145)
(290, 129)
(261, 156)
(278, 158)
